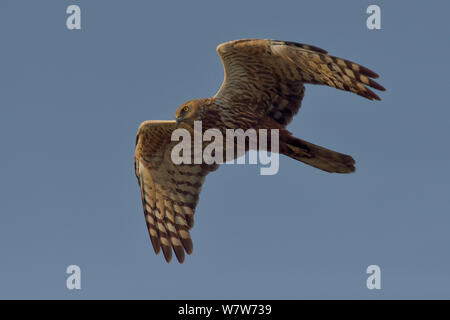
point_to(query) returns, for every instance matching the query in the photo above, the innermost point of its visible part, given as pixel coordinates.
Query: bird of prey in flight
(263, 88)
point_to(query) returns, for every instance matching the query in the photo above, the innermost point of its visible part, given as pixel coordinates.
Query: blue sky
(71, 103)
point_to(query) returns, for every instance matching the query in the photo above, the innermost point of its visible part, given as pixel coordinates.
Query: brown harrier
(262, 89)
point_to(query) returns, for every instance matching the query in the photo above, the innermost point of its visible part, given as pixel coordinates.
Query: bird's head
(190, 111)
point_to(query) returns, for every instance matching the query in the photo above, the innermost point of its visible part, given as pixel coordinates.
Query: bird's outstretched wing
(269, 75)
(169, 192)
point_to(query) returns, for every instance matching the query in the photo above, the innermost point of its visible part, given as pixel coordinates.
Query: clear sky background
(71, 103)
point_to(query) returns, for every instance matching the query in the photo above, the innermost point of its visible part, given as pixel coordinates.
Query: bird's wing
(169, 192)
(270, 74)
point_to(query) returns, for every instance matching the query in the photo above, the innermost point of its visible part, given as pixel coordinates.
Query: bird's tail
(316, 156)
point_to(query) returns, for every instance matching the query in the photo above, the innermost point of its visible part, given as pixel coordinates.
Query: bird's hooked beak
(179, 119)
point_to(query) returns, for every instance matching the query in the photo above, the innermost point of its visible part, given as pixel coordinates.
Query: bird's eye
(186, 109)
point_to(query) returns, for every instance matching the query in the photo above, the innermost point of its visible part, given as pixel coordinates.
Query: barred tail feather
(316, 156)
